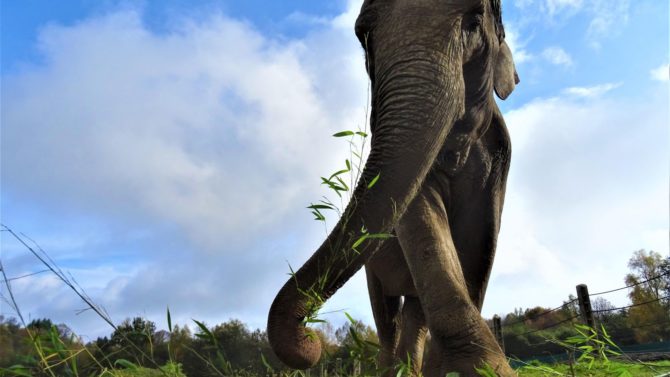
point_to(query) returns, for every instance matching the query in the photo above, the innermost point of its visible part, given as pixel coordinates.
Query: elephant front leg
(463, 338)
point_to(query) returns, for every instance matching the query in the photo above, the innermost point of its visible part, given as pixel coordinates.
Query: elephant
(435, 178)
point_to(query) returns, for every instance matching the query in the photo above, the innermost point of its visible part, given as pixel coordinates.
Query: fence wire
(632, 285)
(594, 311)
(631, 306)
(550, 326)
(28, 275)
(650, 324)
(523, 319)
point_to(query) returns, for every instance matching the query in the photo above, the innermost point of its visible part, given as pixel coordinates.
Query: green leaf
(350, 318)
(338, 173)
(348, 164)
(292, 273)
(19, 370)
(320, 206)
(382, 236)
(344, 133)
(169, 319)
(486, 371)
(361, 133)
(125, 363)
(266, 364)
(355, 336)
(612, 352)
(359, 241)
(318, 216)
(374, 181)
(314, 320)
(333, 185)
(205, 332)
(373, 344)
(343, 183)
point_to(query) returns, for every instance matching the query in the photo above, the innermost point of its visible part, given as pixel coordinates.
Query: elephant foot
(389, 365)
(468, 367)
(385, 363)
(480, 352)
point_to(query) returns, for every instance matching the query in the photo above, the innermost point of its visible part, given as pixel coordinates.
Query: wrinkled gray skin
(441, 149)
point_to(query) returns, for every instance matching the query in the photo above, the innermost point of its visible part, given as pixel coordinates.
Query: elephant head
(429, 62)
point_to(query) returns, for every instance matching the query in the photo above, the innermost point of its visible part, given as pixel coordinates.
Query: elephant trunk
(417, 96)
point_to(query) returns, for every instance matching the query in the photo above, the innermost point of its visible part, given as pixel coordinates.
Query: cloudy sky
(163, 152)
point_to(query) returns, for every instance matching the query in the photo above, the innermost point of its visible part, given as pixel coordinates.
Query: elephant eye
(473, 22)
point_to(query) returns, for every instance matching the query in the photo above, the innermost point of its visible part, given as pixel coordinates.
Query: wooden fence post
(497, 331)
(585, 305)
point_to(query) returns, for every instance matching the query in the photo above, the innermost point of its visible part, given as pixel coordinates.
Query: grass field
(613, 368)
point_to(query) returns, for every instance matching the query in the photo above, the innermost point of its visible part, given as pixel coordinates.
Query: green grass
(613, 368)
(169, 370)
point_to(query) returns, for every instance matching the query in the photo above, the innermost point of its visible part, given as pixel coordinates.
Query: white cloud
(517, 46)
(591, 91)
(555, 6)
(522, 4)
(604, 18)
(661, 73)
(303, 18)
(608, 18)
(208, 139)
(557, 56)
(182, 127)
(588, 186)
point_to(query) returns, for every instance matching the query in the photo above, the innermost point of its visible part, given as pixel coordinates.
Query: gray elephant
(440, 155)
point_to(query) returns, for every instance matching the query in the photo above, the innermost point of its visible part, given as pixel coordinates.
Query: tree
(665, 276)
(603, 309)
(647, 268)
(571, 307)
(356, 341)
(134, 340)
(41, 324)
(13, 342)
(180, 341)
(650, 315)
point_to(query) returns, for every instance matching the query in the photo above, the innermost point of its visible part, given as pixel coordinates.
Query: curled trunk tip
(294, 344)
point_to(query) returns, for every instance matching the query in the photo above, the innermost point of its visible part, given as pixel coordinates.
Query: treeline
(531, 332)
(646, 319)
(42, 348)
(228, 348)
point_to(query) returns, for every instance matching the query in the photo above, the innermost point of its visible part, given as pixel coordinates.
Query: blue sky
(163, 151)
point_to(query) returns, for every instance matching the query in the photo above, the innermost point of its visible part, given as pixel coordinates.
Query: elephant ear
(366, 19)
(504, 75)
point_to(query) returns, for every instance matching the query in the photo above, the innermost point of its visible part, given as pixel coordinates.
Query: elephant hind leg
(413, 335)
(387, 314)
